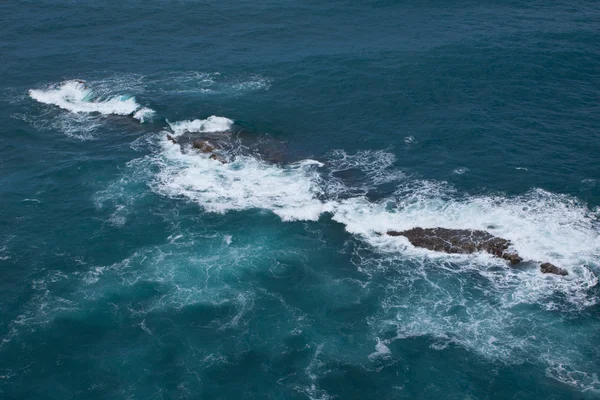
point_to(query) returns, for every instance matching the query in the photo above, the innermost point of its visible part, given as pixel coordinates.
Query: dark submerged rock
(226, 145)
(459, 241)
(171, 139)
(548, 268)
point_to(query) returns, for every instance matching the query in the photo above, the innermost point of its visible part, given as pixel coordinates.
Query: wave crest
(76, 97)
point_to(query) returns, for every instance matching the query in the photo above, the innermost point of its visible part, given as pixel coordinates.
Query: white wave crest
(76, 97)
(210, 124)
(144, 114)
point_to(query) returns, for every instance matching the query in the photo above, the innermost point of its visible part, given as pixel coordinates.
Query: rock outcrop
(548, 268)
(224, 146)
(203, 146)
(171, 139)
(218, 158)
(459, 241)
(467, 241)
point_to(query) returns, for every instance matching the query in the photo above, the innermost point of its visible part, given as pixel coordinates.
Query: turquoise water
(131, 270)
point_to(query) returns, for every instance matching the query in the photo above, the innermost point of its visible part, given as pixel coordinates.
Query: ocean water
(131, 270)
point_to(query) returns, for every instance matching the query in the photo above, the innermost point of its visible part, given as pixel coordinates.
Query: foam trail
(76, 97)
(210, 124)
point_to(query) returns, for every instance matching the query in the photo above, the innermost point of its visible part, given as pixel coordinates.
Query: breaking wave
(210, 124)
(291, 192)
(76, 97)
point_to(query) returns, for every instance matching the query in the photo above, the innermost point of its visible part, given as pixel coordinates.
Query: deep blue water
(129, 270)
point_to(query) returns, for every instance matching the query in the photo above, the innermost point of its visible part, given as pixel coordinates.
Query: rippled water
(131, 269)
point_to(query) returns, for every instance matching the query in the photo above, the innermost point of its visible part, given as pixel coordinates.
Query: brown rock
(548, 268)
(203, 146)
(459, 241)
(217, 158)
(171, 139)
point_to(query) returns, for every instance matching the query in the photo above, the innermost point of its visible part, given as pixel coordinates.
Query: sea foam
(543, 226)
(291, 192)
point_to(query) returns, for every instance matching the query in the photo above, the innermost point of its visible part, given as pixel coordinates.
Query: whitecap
(144, 114)
(210, 124)
(75, 97)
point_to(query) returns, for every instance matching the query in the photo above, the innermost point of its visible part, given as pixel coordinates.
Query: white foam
(478, 301)
(246, 183)
(365, 169)
(75, 125)
(210, 124)
(381, 350)
(542, 226)
(76, 97)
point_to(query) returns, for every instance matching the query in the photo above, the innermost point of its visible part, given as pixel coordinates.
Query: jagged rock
(548, 268)
(171, 139)
(459, 241)
(227, 145)
(203, 146)
(217, 158)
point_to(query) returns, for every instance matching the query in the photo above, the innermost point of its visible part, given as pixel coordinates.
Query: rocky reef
(548, 268)
(223, 146)
(459, 241)
(467, 241)
(216, 144)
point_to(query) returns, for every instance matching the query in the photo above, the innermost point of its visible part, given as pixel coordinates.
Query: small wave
(567, 374)
(209, 83)
(144, 114)
(75, 125)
